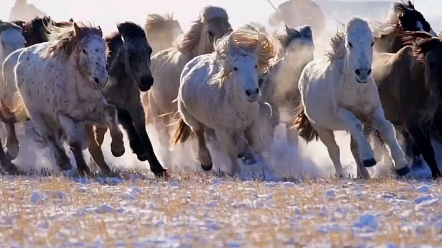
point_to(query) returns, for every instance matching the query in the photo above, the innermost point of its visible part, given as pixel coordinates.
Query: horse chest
(358, 99)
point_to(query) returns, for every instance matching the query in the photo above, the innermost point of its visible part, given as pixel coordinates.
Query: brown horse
(161, 31)
(410, 86)
(35, 30)
(388, 38)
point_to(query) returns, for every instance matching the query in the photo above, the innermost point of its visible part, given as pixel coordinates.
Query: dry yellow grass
(195, 211)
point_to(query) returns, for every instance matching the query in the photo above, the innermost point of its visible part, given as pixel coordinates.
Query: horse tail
(18, 114)
(182, 132)
(304, 127)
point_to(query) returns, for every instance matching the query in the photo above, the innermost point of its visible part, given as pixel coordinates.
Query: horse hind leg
(77, 139)
(95, 142)
(328, 139)
(12, 144)
(361, 171)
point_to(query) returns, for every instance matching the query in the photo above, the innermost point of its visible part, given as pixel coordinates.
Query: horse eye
(210, 33)
(83, 50)
(350, 45)
(256, 66)
(235, 69)
(372, 44)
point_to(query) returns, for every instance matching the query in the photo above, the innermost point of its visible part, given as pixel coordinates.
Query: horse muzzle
(146, 83)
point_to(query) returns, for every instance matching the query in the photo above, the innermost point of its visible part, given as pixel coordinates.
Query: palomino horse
(337, 93)
(212, 24)
(11, 39)
(128, 63)
(60, 86)
(161, 31)
(35, 30)
(220, 92)
(410, 86)
(280, 84)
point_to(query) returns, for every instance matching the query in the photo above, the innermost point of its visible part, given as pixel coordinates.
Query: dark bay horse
(129, 69)
(410, 88)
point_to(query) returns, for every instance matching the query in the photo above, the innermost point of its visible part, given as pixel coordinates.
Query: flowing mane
(392, 22)
(190, 39)
(66, 38)
(8, 25)
(337, 44)
(244, 42)
(157, 22)
(255, 26)
(421, 42)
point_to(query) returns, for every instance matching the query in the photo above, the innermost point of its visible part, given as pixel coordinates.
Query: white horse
(59, 84)
(211, 25)
(11, 39)
(339, 91)
(220, 92)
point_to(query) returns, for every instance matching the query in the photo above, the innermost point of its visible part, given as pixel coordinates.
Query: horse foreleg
(421, 136)
(106, 114)
(140, 126)
(361, 171)
(77, 139)
(232, 151)
(12, 144)
(328, 138)
(253, 136)
(244, 151)
(388, 133)
(5, 161)
(95, 148)
(355, 128)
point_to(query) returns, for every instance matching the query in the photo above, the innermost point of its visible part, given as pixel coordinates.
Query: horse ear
(71, 20)
(287, 29)
(307, 32)
(77, 29)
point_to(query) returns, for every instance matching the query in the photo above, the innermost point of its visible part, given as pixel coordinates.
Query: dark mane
(421, 42)
(131, 30)
(403, 7)
(127, 30)
(34, 30)
(67, 39)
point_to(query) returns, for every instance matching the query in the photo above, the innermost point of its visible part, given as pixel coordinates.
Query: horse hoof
(207, 167)
(403, 171)
(143, 156)
(118, 152)
(369, 162)
(249, 161)
(161, 174)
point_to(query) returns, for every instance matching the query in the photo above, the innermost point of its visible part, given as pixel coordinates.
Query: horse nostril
(96, 80)
(369, 71)
(358, 72)
(248, 92)
(257, 90)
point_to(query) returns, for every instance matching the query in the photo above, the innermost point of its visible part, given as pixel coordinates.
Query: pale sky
(107, 13)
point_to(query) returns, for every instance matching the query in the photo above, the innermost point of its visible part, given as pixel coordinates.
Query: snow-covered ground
(198, 211)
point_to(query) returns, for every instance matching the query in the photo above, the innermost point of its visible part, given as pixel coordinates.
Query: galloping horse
(161, 31)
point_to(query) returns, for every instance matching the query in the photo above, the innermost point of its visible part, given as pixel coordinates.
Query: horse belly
(320, 109)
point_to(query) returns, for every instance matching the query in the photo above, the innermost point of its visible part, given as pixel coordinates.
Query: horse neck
(390, 43)
(202, 47)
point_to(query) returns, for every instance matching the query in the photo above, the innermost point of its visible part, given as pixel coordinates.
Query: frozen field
(199, 211)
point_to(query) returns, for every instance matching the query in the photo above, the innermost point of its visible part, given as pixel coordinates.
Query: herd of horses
(69, 83)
